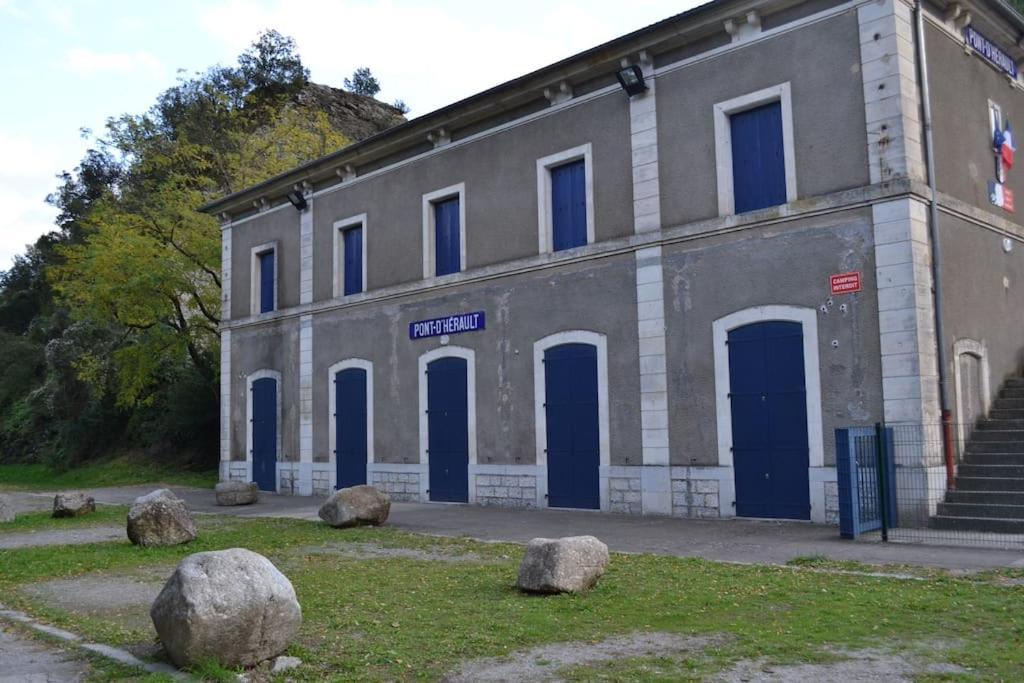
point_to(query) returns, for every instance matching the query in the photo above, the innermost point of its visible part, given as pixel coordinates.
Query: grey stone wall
(322, 482)
(831, 502)
(624, 494)
(695, 498)
(401, 486)
(507, 490)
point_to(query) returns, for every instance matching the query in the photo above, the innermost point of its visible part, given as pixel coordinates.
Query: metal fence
(897, 484)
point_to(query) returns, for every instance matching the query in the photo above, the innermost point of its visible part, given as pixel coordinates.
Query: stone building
(654, 277)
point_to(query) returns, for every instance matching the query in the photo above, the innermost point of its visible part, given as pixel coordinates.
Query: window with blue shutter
(353, 264)
(267, 284)
(568, 205)
(446, 237)
(758, 158)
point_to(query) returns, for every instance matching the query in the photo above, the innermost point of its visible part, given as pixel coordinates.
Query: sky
(67, 66)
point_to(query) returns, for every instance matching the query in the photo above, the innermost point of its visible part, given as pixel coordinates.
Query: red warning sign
(845, 283)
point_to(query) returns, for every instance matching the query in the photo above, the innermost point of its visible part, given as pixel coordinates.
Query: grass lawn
(113, 472)
(381, 604)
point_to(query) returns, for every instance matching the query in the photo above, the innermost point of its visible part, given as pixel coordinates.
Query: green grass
(105, 515)
(113, 472)
(409, 619)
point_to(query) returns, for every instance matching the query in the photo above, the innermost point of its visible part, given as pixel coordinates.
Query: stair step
(1008, 403)
(994, 447)
(994, 459)
(1006, 413)
(978, 524)
(1000, 424)
(1014, 382)
(981, 510)
(1011, 392)
(985, 497)
(990, 484)
(994, 471)
(998, 435)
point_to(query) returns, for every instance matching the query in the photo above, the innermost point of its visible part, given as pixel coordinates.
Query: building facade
(557, 294)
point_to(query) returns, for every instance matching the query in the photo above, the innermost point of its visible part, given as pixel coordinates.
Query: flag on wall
(1007, 148)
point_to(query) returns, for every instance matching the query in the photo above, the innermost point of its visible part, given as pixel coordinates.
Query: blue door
(447, 257)
(353, 265)
(350, 426)
(448, 430)
(264, 433)
(568, 206)
(570, 405)
(758, 159)
(267, 272)
(768, 401)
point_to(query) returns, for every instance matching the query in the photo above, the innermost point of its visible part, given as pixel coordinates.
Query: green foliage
(120, 471)
(362, 82)
(109, 325)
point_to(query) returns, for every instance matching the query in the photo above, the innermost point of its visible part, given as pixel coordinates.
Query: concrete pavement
(736, 540)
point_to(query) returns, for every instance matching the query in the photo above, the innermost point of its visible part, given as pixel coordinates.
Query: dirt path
(89, 534)
(27, 660)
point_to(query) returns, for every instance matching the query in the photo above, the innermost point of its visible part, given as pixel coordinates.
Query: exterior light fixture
(631, 78)
(297, 200)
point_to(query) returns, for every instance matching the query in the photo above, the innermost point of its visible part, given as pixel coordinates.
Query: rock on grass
(160, 518)
(356, 506)
(73, 504)
(562, 565)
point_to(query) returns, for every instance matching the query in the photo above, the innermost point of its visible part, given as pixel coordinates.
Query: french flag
(1007, 148)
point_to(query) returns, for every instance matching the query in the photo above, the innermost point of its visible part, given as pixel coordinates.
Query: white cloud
(433, 55)
(86, 62)
(27, 175)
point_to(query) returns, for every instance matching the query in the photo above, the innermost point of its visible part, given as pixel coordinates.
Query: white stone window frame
(545, 215)
(808, 319)
(332, 414)
(429, 224)
(540, 418)
(723, 141)
(255, 277)
(977, 349)
(426, 359)
(357, 221)
(279, 459)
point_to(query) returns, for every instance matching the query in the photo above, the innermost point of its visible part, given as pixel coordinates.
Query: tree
(401, 106)
(362, 82)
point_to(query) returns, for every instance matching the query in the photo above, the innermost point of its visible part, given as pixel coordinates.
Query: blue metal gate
(350, 426)
(264, 433)
(573, 435)
(758, 161)
(866, 476)
(768, 402)
(448, 430)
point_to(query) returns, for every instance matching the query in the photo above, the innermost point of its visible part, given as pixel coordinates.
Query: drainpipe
(936, 249)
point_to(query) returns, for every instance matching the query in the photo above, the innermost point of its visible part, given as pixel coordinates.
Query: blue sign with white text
(987, 49)
(449, 324)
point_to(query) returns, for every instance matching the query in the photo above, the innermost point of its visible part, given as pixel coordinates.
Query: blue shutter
(568, 206)
(264, 433)
(267, 282)
(353, 260)
(758, 158)
(446, 237)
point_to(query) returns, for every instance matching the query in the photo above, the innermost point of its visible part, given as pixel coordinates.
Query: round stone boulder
(6, 509)
(160, 518)
(73, 504)
(356, 506)
(562, 565)
(236, 493)
(231, 606)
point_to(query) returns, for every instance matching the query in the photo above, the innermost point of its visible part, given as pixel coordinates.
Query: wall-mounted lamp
(297, 200)
(631, 78)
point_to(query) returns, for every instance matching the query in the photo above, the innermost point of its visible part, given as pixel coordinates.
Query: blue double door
(264, 433)
(573, 434)
(768, 403)
(350, 424)
(448, 430)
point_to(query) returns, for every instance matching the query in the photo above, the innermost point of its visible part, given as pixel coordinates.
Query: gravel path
(28, 661)
(89, 534)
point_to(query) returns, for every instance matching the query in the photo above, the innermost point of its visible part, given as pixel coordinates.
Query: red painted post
(947, 447)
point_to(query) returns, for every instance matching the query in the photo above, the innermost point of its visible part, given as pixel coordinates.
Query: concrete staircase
(989, 495)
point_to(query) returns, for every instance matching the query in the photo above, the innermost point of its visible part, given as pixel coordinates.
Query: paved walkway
(725, 540)
(23, 660)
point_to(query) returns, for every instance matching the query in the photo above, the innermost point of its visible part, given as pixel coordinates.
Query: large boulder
(160, 518)
(562, 565)
(356, 506)
(73, 504)
(236, 493)
(232, 606)
(6, 509)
